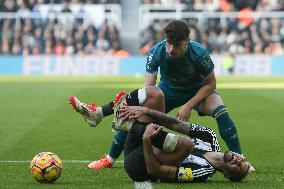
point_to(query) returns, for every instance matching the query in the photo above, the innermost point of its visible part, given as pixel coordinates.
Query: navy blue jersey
(185, 73)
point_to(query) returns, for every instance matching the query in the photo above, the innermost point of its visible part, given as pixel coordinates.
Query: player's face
(236, 164)
(176, 50)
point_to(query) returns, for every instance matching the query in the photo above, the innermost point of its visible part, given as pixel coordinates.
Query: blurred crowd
(16, 5)
(223, 5)
(54, 36)
(237, 35)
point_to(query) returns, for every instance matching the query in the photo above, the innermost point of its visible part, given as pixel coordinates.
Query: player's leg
(151, 97)
(93, 114)
(169, 148)
(213, 106)
(173, 99)
(134, 161)
(134, 98)
(90, 112)
(183, 148)
(115, 150)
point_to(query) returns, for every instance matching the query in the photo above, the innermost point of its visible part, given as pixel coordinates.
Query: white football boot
(92, 114)
(119, 103)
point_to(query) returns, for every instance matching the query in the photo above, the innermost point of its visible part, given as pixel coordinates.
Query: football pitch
(35, 116)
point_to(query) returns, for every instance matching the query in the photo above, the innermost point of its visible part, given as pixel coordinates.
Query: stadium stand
(239, 27)
(47, 27)
(73, 27)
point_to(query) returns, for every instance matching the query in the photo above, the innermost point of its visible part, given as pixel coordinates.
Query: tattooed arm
(170, 122)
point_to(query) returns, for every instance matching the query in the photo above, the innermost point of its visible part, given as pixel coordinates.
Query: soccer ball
(46, 167)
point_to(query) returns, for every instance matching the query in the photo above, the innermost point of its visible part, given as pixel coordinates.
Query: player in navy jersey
(187, 81)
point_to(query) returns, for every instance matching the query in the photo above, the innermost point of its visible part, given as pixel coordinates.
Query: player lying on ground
(186, 160)
(174, 158)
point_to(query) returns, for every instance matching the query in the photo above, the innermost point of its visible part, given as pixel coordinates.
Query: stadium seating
(94, 26)
(29, 27)
(236, 28)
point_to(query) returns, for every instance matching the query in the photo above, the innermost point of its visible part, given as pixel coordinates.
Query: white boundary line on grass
(137, 185)
(64, 161)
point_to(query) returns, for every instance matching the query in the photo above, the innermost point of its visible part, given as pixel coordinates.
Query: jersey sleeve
(204, 138)
(152, 63)
(205, 64)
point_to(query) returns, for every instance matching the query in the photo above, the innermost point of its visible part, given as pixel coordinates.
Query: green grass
(35, 116)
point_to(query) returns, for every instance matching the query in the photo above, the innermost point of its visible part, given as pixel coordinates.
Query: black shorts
(134, 161)
(132, 98)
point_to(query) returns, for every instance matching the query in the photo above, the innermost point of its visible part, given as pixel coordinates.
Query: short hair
(176, 31)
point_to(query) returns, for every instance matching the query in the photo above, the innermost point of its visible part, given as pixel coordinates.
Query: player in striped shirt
(153, 154)
(190, 158)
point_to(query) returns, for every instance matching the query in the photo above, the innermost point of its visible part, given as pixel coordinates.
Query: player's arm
(168, 121)
(154, 167)
(152, 66)
(204, 66)
(150, 79)
(207, 89)
(172, 123)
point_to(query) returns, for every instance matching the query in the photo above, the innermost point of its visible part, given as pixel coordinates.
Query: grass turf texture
(35, 116)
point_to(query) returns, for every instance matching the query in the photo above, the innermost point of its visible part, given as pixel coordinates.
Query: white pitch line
(143, 185)
(64, 161)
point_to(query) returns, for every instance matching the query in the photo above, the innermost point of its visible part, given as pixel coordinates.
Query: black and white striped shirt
(196, 166)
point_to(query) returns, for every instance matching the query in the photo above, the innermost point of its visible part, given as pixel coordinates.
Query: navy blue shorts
(177, 98)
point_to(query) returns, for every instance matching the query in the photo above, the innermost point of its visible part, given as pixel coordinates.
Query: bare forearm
(203, 92)
(150, 79)
(154, 167)
(208, 88)
(169, 122)
(151, 161)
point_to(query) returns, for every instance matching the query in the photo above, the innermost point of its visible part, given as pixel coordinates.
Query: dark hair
(176, 31)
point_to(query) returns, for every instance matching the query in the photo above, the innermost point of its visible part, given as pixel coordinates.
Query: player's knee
(149, 93)
(209, 105)
(186, 144)
(154, 92)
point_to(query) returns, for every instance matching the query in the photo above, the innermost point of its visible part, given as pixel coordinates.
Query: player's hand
(131, 112)
(151, 131)
(184, 113)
